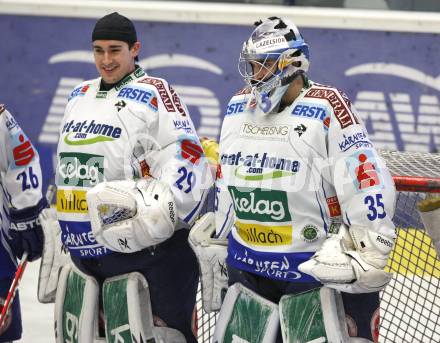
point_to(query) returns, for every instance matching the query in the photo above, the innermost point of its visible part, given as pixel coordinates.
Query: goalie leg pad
(314, 316)
(76, 307)
(211, 254)
(54, 256)
(127, 311)
(246, 317)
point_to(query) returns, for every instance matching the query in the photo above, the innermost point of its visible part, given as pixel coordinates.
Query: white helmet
(277, 50)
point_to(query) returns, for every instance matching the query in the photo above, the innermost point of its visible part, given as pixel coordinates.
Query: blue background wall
(390, 76)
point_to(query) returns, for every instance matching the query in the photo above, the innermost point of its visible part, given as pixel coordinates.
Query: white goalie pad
(128, 216)
(314, 316)
(76, 307)
(429, 210)
(127, 311)
(246, 317)
(55, 256)
(211, 254)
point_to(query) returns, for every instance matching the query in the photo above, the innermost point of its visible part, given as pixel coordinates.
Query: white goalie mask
(273, 56)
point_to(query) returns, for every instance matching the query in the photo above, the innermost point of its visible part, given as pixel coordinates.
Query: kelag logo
(82, 170)
(260, 205)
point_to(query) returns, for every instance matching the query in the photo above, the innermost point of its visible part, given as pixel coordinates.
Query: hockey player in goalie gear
(121, 126)
(20, 206)
(296, 163)
(429, 210)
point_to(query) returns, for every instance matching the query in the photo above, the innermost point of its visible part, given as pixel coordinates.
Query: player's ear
(135, 48)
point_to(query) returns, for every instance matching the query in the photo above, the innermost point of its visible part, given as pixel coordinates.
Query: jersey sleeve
(364, 186)
(174, 153)
(223, 207)
(20, 165)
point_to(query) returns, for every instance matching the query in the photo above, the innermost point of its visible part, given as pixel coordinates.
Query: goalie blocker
(211, 254)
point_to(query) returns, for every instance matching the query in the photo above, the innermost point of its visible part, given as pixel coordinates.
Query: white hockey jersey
(21, 183)
(136, 129)
(288, 178)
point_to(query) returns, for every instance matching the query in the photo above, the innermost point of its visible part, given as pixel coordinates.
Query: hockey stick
(19, 272)
(13, 289)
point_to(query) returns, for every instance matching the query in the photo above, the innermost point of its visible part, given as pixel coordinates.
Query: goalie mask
(273, 56)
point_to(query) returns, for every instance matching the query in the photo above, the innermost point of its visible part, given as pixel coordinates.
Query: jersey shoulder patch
(237, 104)
(338, 101)
(79, 90)
(161, 88)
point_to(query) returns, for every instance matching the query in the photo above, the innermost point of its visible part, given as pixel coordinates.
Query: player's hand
(26, 232)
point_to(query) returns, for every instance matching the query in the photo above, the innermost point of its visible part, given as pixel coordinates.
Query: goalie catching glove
(128, 216)
(351, 261)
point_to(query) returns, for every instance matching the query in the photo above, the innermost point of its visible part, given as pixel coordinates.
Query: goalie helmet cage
(410, 304)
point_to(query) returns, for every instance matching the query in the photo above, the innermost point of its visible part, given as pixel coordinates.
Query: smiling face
(114, 59)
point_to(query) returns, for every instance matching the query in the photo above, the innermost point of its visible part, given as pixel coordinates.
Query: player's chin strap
(352, 261)
(211, 254)
(126, 304)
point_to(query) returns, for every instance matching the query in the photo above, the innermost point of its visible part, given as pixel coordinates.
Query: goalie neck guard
(273, 56)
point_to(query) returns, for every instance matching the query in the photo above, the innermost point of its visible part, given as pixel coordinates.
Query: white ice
(37, 318)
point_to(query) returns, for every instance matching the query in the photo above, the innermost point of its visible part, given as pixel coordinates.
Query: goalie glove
(211, 254)
(128, 216)
(430, 213)
(352, 261)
